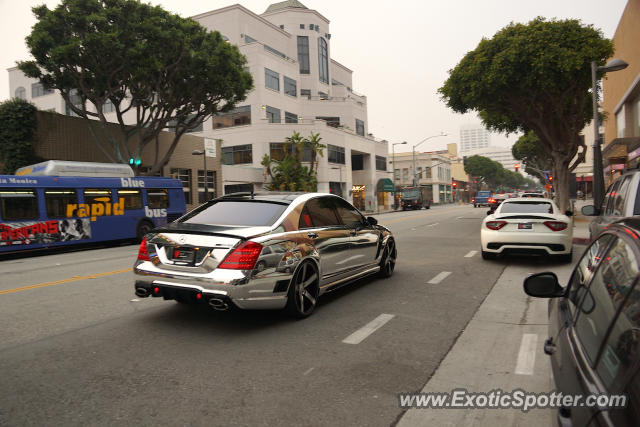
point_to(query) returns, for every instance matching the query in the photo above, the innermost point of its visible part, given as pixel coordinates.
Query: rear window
(526, 207)
(236, 213)
(484, 193)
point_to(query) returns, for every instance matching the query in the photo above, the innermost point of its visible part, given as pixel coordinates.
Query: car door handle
(312, 235)
(353, 232)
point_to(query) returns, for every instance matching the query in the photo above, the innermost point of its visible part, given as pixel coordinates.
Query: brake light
(143, 252)
(495, 225)
(555, 225)
(492, 200)
(243, 257)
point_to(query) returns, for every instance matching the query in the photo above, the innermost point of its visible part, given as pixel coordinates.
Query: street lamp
(598, 177)
(206, 175)
(414, 154)
(340, 169)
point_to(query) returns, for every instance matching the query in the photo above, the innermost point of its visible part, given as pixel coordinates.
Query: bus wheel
(143, 228)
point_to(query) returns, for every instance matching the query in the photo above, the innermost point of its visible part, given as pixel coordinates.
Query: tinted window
(321, 211)
(618, 199)
(607, 204)
(132, 198)
(97, 195)
(236, 213)
(158, 198)
(610, 285)
(57, 199)
(585, 268)
(527, 207)
(18, 203)
(348, 214)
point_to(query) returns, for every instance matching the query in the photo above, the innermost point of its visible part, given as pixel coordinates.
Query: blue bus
(48, 211)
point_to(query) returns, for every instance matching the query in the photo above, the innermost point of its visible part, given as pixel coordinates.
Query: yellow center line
(60, 282)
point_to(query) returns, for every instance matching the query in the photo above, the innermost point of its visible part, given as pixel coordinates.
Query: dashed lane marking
(527, 354)
(439, 278)
(358, 336)
(470, 254)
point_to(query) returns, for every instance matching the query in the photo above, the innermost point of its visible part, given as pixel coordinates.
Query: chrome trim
(182, 285)
(355, 276)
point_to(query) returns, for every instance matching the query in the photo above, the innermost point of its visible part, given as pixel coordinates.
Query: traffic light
(455, 184)
(134, 162)
(516, 167)
(550, 178)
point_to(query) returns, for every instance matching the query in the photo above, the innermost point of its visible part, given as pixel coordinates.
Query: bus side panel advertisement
(44, 232)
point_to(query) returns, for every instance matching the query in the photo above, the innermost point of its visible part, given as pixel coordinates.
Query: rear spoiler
(206, 233)
(526, 217)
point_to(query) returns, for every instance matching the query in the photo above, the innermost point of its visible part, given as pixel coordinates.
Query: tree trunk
(560, 183)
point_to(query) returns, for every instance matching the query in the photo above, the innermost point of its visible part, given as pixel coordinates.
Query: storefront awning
(385, 185)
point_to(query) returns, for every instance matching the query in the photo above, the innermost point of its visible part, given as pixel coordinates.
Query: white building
(501, 155)
(433, 170)
(473, 137)
(297, 87)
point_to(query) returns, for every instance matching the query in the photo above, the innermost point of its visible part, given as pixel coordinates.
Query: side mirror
(543, 285)
(372, 221)
(589, 210)
(568, 213)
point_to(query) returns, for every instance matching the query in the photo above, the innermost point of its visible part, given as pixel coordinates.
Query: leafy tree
(17, 133)
(485, 169)
(534, 77)
(156, 69)
(289, 174)
(529, 150)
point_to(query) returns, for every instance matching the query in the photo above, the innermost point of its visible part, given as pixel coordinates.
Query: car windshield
(409, 194)
(236, 213)
(484, 193)
(526, 207)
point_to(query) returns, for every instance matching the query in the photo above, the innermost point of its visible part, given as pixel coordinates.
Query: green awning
(385, 185)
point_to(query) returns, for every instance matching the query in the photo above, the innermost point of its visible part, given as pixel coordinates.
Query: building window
(323, 96)
(317, 28)
(331, 121)
(290, 86)
(357, 162)
(323, 60)
(238, 154)
(271, 79)
(335, 188)
(620, 122)
(303, 54)
(277, 151)
(405, 175)
(183, 175)
(305, 92)
(37, 89)
(302, 26)
(275, 51)
(335, 154)
(76, 100)
(290, 117)
(396, 174)
(249, 39)
(273, 114)
(237, 117)
(282, 26)
(21, 93)
(381, 163)
(360, 127)
(211, 185)
(108, 107)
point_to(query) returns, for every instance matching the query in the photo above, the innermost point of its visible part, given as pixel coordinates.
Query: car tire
(260, 266)
(488, 255)
(302, 296)
(143, 228)
(388, 260)
(565, 258)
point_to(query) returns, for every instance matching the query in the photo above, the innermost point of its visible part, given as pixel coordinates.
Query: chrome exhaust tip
(142, 292)
(218, 304)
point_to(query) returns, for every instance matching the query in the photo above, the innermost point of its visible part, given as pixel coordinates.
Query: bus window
(97, 195)
(132, 199)
(158, 198)
(18, 204)
(57, 199)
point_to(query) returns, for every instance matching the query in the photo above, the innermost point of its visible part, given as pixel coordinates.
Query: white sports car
(528, 226)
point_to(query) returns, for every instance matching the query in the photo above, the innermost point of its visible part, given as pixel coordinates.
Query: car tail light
(243, 257)
(143, 252)
(556, 225)
(492, 200)
(495, 225)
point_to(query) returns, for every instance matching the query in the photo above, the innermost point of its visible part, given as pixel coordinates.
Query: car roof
(529, 200)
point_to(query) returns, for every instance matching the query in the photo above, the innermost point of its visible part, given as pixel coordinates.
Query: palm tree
(297, 142)
(316, 149)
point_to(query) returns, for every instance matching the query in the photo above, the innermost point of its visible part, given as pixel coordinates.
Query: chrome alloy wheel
(303, 291)
(389, 256)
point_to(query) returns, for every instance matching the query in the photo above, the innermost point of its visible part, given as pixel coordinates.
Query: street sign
(210, 147)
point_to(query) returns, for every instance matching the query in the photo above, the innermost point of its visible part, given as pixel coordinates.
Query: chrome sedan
(263, 251)
(530, 226)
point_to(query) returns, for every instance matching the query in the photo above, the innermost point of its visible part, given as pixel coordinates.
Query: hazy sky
(400, 51)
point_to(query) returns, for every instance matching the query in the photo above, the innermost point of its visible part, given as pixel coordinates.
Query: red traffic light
(455, 184)
(516, 167)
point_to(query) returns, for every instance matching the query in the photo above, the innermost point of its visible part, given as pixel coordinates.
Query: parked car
(622, 200)
(527, 226)
(496, 200)
(263, 251)
(594, 327)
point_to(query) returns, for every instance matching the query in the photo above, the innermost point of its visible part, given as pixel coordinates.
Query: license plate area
(525, 226)
(181, 256)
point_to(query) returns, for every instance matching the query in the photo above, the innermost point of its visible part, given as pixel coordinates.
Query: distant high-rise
(473, 137)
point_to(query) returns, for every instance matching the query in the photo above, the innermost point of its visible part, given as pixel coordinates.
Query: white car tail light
(555, 225)
(495, 225)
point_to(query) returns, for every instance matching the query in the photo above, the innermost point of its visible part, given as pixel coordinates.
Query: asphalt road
(78, 348)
